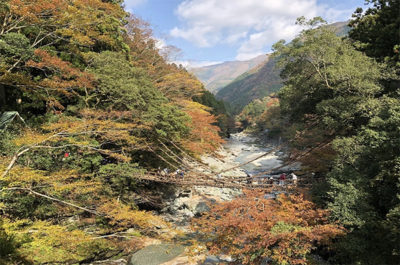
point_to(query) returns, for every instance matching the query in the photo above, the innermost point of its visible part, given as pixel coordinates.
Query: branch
(55, 199)
(21, 151)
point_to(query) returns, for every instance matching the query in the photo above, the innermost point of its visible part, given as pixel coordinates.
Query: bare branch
(55, 199)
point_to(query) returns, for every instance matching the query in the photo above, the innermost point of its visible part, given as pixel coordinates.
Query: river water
(242, 147)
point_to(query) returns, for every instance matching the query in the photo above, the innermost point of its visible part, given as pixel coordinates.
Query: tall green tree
(334, 93)
(377, 31)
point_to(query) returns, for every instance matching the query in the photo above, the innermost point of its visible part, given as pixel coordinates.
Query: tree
(98, 102)
(218, 109)
(335, 97)
(330, 88)
(371, 30)
(364, 188)
(251, 228)
(204, 135)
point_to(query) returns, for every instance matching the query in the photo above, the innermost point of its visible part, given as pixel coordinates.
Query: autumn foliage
(251, 228)
(98, 99)
(204, 135)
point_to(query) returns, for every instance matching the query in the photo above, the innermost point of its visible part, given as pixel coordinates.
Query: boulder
(156, 254)
(211, 260)
(201, 207)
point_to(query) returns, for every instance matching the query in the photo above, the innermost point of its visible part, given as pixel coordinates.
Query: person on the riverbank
(249, 178)
(294, 178)
(165, 172)
(271, 180)
(282, 179)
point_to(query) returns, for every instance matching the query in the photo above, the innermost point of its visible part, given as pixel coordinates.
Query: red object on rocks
(66, 155)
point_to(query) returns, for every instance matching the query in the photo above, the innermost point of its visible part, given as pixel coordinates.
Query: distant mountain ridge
(240, 82)
(217, 76)
(262, 80)
(257, 83)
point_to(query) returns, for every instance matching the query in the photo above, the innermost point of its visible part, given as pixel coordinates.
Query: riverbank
(189, 202)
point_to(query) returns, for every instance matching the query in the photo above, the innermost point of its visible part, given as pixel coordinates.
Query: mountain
(215, 77)
(260, 81)
(257, 83)
(341, 28)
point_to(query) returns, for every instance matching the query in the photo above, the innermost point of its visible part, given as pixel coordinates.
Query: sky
(213, 31)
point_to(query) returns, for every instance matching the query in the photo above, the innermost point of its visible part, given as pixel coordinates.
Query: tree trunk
(2, 98)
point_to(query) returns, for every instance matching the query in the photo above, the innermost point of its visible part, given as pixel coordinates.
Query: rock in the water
(211, 260)
(202, 207)
(156, 254)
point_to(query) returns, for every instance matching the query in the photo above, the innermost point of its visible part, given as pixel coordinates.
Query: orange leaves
(35, 10)
(62, 79)
(65, 76)
(179, 84)
(85, 22)
(204, 135)
(252, 227)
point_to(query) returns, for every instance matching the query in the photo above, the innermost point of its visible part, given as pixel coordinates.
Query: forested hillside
(262, 80)
(99, 131)
(86, 101)
(257, 83)
(340, 104)
(215, 77)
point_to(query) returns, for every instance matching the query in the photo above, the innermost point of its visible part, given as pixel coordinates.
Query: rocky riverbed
(240, 148)
(188, 202)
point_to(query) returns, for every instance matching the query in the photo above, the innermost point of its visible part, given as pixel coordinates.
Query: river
(243, 147)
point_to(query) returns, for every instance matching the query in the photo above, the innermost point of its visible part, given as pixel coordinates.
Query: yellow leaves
(31, 137)
(78, 187)
(192, 105)
(110, 130)
(123, 216)
(42, 242)
(179, 84)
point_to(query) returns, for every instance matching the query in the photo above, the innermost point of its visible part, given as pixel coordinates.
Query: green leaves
(335, 92)
(14, 48)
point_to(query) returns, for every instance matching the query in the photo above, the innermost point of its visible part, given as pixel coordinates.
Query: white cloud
(252, 24)
(160, 43)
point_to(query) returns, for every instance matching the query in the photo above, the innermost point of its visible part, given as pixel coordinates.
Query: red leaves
(65, 75)
(252, 227)
(61, 77)
(204, 135)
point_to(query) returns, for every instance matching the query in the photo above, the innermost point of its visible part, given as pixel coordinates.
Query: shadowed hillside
(215, 77)
(260, 81)
(256, 83)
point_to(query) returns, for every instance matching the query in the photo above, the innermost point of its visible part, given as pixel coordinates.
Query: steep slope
(256, 83)
(260, 81)
(214, 77)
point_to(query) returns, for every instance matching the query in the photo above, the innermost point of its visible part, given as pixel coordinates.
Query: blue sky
(212, 31)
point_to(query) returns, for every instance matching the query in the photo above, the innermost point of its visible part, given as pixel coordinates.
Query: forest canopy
(95, 100)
